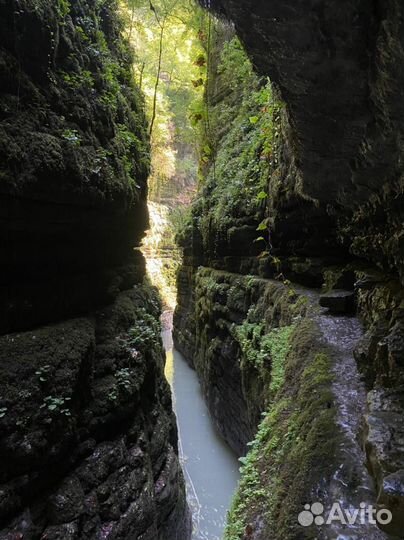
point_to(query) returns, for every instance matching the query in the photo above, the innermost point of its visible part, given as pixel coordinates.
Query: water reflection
(210, 467)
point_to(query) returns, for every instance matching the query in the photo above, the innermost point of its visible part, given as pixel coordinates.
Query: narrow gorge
(261, 318)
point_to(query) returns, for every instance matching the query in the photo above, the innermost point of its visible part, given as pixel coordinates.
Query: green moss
(239, 145)
(82, 80)
(249, 336)
(242, 166)
(88, 94)
(277, 344)
(259, 347)
(294, 440)
(145, 333)
(251, 493)
(63, 8)
(72, 136)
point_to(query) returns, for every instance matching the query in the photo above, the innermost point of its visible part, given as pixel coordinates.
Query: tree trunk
(156, 86)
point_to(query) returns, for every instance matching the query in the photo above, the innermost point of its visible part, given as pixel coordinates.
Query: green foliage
(99, 92)
(113, 394)
(263, 225)
(197, 112)
(251, 492)
(245, 128)
(180, 219)
(260, 348)
(132, 150)
(249, 336)
(84, 80)
(239, 129)
(82, 34)
(72, 136)
(173, 82)
(277, 344)
(144, 334)
(127, 137)
(236, 69)
(63, 8)
(296, 436)
(269, 123)
(57, 405)
(123, 383)
(123, 377)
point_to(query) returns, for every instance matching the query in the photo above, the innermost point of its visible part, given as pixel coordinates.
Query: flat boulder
(338, 301)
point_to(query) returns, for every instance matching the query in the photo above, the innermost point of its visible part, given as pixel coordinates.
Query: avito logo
(314, 513)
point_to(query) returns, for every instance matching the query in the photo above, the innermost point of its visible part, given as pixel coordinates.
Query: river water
(210, 467)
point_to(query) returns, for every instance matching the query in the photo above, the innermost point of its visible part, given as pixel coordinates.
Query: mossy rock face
(381, 351)
(74, 155)
(358, 209)
(258, 351)
(293, 447)
(252, 215)
(89, 437)
(228, 330)
(270, 357)
(330, 224)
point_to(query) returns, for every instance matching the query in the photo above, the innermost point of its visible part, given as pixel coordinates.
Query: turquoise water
(211, 469)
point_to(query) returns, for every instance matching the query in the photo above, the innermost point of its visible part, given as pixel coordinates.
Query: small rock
(338, 301)
(393, 484)
(67, 503)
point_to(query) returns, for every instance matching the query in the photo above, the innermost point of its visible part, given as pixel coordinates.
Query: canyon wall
(338, 69)
(302, 189)
(89, 442)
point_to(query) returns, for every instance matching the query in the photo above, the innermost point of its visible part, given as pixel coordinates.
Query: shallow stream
(211, 469)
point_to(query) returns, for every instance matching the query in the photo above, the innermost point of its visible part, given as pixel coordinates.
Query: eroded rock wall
(321, 213)
(338, 68)
(74, 155)
(88, 438)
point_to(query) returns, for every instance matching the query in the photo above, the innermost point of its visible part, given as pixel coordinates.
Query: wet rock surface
(385, 450)
(339, 301)
(89, 441)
